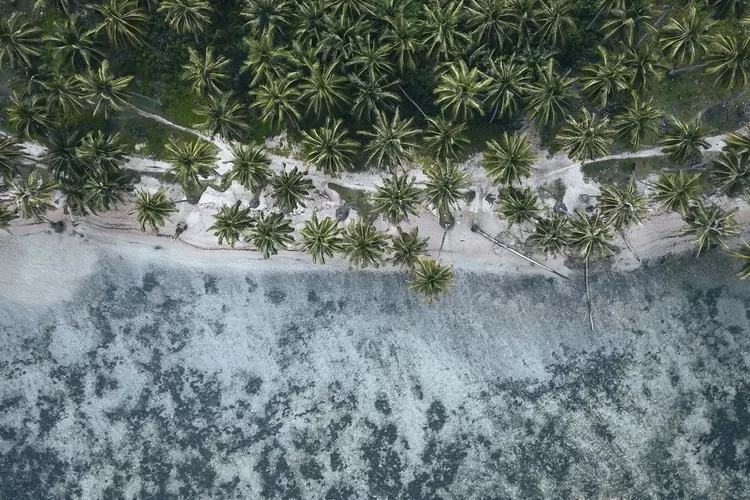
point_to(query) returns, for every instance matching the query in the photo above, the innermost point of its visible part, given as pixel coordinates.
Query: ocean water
(143, 374)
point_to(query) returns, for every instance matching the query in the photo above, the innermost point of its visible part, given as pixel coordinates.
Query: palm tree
(603, 80)
(550, 96)
(290, 189)
(31, 195)
(324, 90)
(20, 41)
(524, 16)
(710, 225)
(276, 101)
(445, 186)
(250, 167)
(371, 96)
(622, 208)
(123, 21)
(460, 91)
(106, 188)
(63, 95)
(329, 148)
(230, 222)
(684, 39)
(103, 151)
(6, 217)
(744, 255)
(11, 156)
(61, 157)
(587, 137)
(636, 119)
(555, 22)
(589, 236)
(677, 192)
(364, 245)
(682, 141)
(224, 116)
(445, 138)
(153, 209)
(271, 232)
(518, 206)
(104, 89)
(74, 47)
(63, 6)
(186, 16)
(431, 279)
(264, 59)
(731, 173)
(391, 138)
(509, 83)
(488, 22)
(727, 8)
(509, 160)
(191, 160)
(397, 198)
(77, 199)
(321, 238)
(407, 248)
(403, 36)
(206, 73)
(739, 143)
(550, 234)
(632, 22)
(645, 66)
(728, 59)
(371, 59)
(267, 17)
(443, 37)
(28, 116)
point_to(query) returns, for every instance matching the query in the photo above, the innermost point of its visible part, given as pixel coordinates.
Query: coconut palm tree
(509, 83)
(390, 140)
(6, 217)
(20, 41)
(407, 248)
(403, 36)
(550, 96)
(105, 90)
(524, 16)
(329, 148)
(731, 173)
(186, 16)
(321, 238)
(124, 22)
(678, 191)
(309, 23)
(250, 167)
(77, 199)
(550, 234)
(63, 96)
(74, 47)
(443, 37)
(371, 96)
(231, 222)
(191, 160)
(621, 208)
(397, 198)
(106, 188)
(635, 120)
(63, 6)
(28, 116)
(739, 143)
(460, 91)
(290, 189)
(103, 151)
(645, 65)
(710, 226)
(364, 245)
(744, 256)
(206, 73)
(589, 236)
(271, 232)
(445, 138)
(264, 60)
(683, 141)
(729, 59)
(488, 23)
(555, 22)
(31, 195)
(276, 102)
(585, 138)
(602, 81)
(324, 90)
(153, 209)
(508, 161)
(683, 40)
(225, 116)
(727, 8)
(630, 23)
(518, 206)
(371, 59)
(267, 17)
(61, 157)
(431, 279)
(12, 156)
(445, 186)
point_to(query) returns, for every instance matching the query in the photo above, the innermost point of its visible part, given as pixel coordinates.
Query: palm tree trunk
(494, 113)
(686, 68)
(445, 233)
(602, 11)
(476, 229)
(657, 24)
(588, 295)
(632, 250)
(412, 101)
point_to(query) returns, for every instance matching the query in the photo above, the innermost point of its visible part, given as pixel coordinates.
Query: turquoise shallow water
(148, 378)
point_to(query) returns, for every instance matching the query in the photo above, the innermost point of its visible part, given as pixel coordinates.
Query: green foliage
(397, 198)
(407, 248)
(445, 186)
(710, 226)
(551, 234)
(589, 235)
(321, 238)
(684, 140)
(364, 245)
(622, 207)
(518, 206)
(678, 191)
(431, 279)
(230, 222)
(329, 149)
(191, 160)
(271, 232)
(731, 173)
(250, 167)
(290, 189)
(31, 195)
(509, 160)
(153, 209)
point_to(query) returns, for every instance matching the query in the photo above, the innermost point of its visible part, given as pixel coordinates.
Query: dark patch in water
(210, 285)
(276, 296)
(436, 416)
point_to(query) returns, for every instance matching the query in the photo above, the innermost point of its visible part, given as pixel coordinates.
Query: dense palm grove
(391, 85)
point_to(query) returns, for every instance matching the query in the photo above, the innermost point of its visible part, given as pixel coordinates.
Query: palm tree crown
(407, 248)
(321, 238)
(391, 140)
(731, 173)
(684, 39)
(635, 121)
(550, 234)
(103, 151)
(622, 207)
(207, 73)
(603, 80)
(589, 235)
(683, 141)
(11, 156)
(445, 186)
(729, 59)
(153, 209)
(329, 148)
(460, 91)
(31, 195)
(508, 161)
(75, 48)
(431, 279)
(106, 90)
(587, 137)
(230, 222)
(250, 167)
(20, 42)
(290, 189)
(271, 233)
(677, 192)
(123, 22)
(445, 138)
(186, 16)
(710, 226)
(224, 116)
(397, 198)
(364, 245)
(519, 206)
(191, 160)
(550, 96)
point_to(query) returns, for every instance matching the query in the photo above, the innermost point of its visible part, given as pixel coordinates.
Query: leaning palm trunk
(677, 71)
(412, 101)
(657, 25)
(494, 113)
(588, 295)
(442, 243)
(627, 243)
(476, 229)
